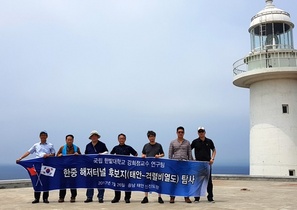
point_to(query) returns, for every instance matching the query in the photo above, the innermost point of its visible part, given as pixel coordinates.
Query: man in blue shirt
(95, 147)
(122, 149)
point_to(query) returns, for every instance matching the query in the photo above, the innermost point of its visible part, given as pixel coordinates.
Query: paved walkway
(229, 194)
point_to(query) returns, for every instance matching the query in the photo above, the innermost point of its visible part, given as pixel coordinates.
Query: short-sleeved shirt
(202, 149)
(100, 147)
(180, 151)
(150, 150)
(69, 150)
(41, 149)
(123, 150)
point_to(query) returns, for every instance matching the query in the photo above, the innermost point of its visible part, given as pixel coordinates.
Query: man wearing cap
(41, 149)
(68, 149)
(95, 147)
(204, 150)
(180, 149)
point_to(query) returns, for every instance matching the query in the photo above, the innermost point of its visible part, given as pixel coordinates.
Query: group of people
(179, 149)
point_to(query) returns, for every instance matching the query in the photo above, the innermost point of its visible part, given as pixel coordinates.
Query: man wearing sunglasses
(204, 150)
(180, 149)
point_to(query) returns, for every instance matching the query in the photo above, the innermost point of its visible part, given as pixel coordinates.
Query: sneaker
(61, 200)
(72, 200)
(114, 200)
(160, 200)
(45, 201)
(35, 201)
(88, 200)
(145, 200)
(127, 200)
(100, 200)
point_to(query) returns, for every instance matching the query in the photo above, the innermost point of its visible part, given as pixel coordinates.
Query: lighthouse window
(292, 172)
(285, 108)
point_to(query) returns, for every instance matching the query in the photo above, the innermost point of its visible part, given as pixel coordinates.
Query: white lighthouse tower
(270, 72)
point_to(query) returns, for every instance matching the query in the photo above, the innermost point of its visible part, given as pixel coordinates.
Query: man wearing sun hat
(41, 149)
(95, 147)
(204, 150)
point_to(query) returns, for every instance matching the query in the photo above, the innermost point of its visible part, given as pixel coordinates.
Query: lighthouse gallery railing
(266, 59)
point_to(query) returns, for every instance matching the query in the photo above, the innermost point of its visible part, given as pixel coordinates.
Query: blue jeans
(90, 193)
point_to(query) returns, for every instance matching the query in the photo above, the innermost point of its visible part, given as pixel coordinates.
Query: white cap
(201, 128)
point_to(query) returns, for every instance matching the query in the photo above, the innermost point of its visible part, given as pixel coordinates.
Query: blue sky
(125, 67)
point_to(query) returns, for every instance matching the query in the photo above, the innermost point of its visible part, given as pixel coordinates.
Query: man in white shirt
(41, 149)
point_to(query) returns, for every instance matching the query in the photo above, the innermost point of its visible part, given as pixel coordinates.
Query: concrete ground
(228, 194)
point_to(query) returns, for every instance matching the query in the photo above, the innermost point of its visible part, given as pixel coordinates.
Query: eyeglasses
(201, 131)
(180, 132)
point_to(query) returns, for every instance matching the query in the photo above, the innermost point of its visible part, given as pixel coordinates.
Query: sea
(10, 172)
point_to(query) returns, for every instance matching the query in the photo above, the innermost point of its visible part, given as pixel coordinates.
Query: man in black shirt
(95, 147)
(202, 147)
(152, 149)
(122, 149)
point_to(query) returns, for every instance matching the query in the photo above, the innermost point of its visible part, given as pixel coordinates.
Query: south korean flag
(47, 170)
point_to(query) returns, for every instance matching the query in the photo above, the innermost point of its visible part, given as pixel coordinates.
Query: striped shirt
(180, 151)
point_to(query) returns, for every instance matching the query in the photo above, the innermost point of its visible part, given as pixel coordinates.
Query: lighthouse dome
(271, 14)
